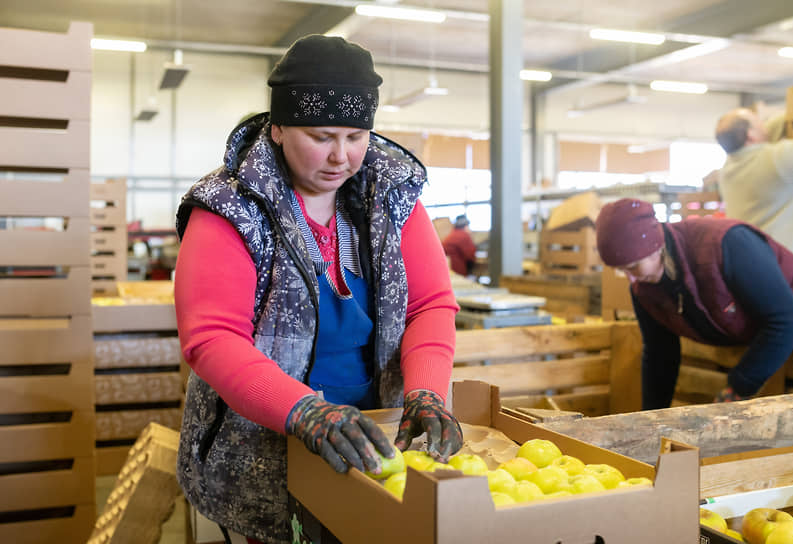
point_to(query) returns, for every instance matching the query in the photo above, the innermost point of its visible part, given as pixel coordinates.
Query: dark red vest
(699, 264)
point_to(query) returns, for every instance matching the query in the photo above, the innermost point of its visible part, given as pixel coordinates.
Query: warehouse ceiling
(741, 38)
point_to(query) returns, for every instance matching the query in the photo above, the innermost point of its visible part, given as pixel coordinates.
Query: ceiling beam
(318, 21)
(727, 19)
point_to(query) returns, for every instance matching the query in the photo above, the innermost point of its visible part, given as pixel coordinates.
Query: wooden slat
(723, 355)
(591, 403)
(493, 344)
(48, 50)
(625, 368)
(132, 351)
(32, 490)
(65, 148)
(147, 387)
(67, 195)
(137, 317)
(70, 99)
(748, 471)
(74, 438)
(72, 530)
(109, 216)
(38, 341)
(47, 248)
(39, 297)
(715, 428)
(129, 423)
(517, 378)
(49, 393)
(700, 380)
(527, 285)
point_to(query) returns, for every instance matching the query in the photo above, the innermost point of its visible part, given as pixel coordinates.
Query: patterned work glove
(424, 411)
(340, 434)
(728, 395)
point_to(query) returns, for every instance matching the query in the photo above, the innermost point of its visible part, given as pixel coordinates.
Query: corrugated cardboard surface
(75, 438)
(67, 197)
(37, 341)
(139, 317)
(66, 530)
(148, 387)
(574, 213)
(73, 391)
(448, 508)
(46, 489)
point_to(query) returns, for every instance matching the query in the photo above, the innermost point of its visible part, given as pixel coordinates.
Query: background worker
(459, 247)
(310, 285)
(716, 281)
(756, 181)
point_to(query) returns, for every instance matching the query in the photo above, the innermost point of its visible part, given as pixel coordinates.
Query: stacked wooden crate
(137, 367)
(566, 252)
(108, 235)
(46, 372)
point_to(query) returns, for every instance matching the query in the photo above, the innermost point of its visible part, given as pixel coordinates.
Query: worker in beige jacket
(756, 181)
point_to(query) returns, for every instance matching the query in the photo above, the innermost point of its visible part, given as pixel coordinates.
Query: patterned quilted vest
(231, 469)
(698, 257)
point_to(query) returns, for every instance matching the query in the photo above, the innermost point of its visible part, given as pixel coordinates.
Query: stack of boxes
(108, 235)
(46, 371)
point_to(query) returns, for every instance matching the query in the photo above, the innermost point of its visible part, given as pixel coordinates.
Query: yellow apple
(519, 467)
(539, 451)
(571, 465)
(500, 480)
(420, 460)
(388, 466)
(609, 476)
(526, 491)
(640, 481)
(737, 536)
(440, 466)
(555, 494)
(549, 479)
(469, 463)
(585, 483)
(758, 523)
(712, 519)
(501, 499)
(395, 484)
(781, 534)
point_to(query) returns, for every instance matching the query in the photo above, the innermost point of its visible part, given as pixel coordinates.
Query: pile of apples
(759, 526)
(538, 471)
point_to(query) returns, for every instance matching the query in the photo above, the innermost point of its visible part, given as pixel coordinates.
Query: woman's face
(321, 159)
(647, 270)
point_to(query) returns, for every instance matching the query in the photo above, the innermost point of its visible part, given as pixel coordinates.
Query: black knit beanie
(324, 81)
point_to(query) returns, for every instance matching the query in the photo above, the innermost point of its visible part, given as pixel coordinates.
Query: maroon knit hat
(627, 231)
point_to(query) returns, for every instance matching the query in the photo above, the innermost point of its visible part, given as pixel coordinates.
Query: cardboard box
(446, 507)
(575, 213)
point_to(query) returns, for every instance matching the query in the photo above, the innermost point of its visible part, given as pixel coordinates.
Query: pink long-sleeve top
(214, 290)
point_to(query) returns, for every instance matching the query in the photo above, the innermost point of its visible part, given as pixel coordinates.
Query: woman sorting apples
(310, 285)
(716, 281)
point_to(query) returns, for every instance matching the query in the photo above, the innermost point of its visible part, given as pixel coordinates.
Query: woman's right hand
(339, 433)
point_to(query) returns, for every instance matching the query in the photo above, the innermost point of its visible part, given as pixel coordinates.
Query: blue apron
(342, 366)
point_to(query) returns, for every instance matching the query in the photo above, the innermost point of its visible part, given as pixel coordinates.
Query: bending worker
(756, 181)
(716, 281)
(310, 286)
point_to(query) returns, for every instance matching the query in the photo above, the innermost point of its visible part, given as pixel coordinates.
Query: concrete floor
(173, 530)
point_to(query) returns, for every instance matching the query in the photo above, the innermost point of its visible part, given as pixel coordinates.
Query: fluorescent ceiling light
(699, 50)
(436, 91)
(535, 75)
(407, 14)
(626, 36)
(786, 52)
(678, 86)
(118, 45)
(390, 108)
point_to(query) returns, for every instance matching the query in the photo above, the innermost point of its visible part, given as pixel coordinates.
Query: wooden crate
(46, 380)
(569, 296)
(138, 372)
(577, 367)
(569, 252)
(109, 239)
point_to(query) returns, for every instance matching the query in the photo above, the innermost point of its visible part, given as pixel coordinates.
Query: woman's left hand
(425, 412)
